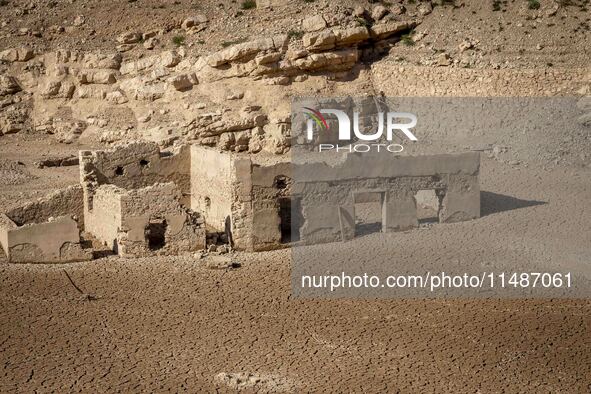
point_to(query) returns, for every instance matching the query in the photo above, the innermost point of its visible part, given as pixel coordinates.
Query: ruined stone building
(45, 231)
(139, 201)
(266, 205)
(136, 200)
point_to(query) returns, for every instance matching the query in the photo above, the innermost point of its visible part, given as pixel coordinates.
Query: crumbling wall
(46, 230)
(104, 219)
(327, 192)
(270, 184)
(255, 203)
(212, 185)
(68, 201)
(125, 220)
(154, 221)
(131, 166)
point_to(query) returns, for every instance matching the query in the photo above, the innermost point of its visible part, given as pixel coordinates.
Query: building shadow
(494, 203)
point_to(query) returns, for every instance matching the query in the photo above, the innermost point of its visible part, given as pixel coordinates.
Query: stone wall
(154, 221)
(46, 230)
(133, 188)
(267, 198)
(212, 179)
(327, 193)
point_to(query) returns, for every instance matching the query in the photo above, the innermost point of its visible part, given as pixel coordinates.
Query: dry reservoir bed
(171, 324)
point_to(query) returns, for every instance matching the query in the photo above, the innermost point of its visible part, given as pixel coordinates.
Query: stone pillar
(400, 213)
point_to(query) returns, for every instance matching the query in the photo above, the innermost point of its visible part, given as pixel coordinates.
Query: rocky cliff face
(172, 82)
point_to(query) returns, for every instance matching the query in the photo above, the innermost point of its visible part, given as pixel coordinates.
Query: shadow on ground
(494, 203)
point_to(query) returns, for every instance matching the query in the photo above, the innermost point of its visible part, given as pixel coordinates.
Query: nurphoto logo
(394, 122)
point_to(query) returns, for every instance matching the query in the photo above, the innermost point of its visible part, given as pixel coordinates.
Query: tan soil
(170, 324)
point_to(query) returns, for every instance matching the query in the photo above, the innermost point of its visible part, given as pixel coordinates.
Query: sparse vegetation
(226, 44)
(533, 4)
(499, 5)
(363, 22)
(407, 39)
(178, 40)
(249, 4)
(297, 34)
(309, 1)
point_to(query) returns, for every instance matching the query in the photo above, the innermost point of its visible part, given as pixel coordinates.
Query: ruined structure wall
(269, 184)
(68, 201)
(51, 242)
(104, 219)
(327, 192)
(126, 167)
(159, 204)
(212, 185)
(140, 164)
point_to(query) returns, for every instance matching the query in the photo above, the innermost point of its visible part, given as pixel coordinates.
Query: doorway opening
(428, 202)
(369, 212)
(291, 219)
(156, 234)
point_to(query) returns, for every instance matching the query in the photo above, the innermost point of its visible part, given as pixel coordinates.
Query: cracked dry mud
(172, 324)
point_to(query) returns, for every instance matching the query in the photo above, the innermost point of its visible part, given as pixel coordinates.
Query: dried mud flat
(71, 72)
(171, 324)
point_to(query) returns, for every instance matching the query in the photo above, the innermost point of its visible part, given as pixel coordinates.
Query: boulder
(129, 38)
(97, 76)
(21, 54)
(102, 60)
(8, 85)
(170, 58)
(385, 30)
(181, 82)
(313, 23)
(351, 36)
(322, 41)
(378, 12)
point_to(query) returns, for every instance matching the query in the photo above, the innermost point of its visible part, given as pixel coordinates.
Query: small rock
(151, 43)
(235, 96)
(313, 23)
(465, 45)
(379, 12)
(443, 59)
(221, 263)
(79, 20)
(129, 38)
(144, 119)
(359, 11)
(194, 21)
(397, 9)
(552, 11)
(425, 9)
